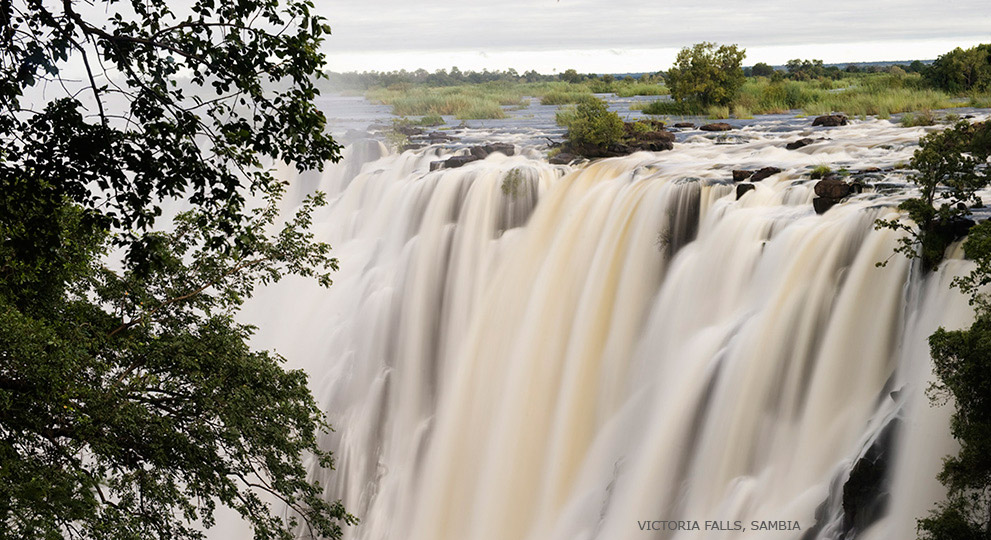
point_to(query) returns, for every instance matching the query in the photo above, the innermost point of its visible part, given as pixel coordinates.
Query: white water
(618, 343)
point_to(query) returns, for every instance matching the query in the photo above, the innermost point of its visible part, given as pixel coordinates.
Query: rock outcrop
(830, 120)
(718, 126)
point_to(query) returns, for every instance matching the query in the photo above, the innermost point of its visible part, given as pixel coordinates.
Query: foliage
(761, 69)
(593, 124)
(706, 74)
(805, 69)
(963, 370)
(130, 402)
(924, 117)
(962, 70)
(951, 168)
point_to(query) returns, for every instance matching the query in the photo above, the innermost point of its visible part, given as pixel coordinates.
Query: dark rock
(857, 187)
(865, 493)
(832, 188)
(764, 173)
(830, 120)
(795, 145)
(409, 131)
(821, 204)
(684, 125)
(482, 151)
(961, 206)
(436, 165)
(454, 162)
(563, 158)
(438, 136)
(740, 176)
(718, 126)
(659, 135)
(743, 188)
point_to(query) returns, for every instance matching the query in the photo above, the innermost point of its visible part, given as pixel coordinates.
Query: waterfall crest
(515, 350)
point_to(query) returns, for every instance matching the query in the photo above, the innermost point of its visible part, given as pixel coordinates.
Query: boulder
(832, 188)
(743, 188)
(795, 145)
(563, 158)
(436, 136)
(454, 162)
(830, 120)
(482, 151)
(688, 125)
(764, 173)
(821, 204)
(718, 126)
(740, 176)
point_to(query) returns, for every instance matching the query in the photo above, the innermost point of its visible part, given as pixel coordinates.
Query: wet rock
(409, 131)
(684, 125)
(482, 151)
(563, 158)
(764, 173)
(865, 493)
(832, 188)
(718, 126)
(436, 136)
(800, 143)
(453, 162)
(821, 204)
(743, 188)
(740, 175)
(830, 120)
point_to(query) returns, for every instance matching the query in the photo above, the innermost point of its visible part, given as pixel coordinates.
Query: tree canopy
(706, 74)
(136, 215)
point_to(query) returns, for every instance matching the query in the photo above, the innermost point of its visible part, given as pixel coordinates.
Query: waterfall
(520, 351)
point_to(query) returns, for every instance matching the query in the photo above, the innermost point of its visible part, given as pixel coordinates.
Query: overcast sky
(627, 35)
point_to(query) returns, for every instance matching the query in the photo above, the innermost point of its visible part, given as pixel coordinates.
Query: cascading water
(519, 351)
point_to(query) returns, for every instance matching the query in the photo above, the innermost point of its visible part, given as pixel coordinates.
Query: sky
(620, 36)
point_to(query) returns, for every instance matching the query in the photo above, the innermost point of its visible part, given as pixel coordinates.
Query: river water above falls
(514, 350)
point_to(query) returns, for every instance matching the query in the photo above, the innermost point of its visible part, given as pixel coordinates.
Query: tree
(706, 75)
(805, 69)
(761, 69)
(130, 401)
(962, 70)
(952, 166)
(570, 76)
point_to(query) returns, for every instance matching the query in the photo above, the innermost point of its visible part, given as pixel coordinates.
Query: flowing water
(519, 351)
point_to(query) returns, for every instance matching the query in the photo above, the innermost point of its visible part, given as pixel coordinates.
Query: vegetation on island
(135, 218)
(707, 79)
(953, 165)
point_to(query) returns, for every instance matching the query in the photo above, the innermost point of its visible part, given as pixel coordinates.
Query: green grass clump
(430, 120)
(481, 111)
(561, 97)
(718, 112)
(924, 117)
(667, 107)
(821, 171)
(641, 89)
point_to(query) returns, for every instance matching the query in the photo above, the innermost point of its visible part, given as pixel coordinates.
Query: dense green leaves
(962, 70)
(706, 75)
(130, 402)
(952, 168)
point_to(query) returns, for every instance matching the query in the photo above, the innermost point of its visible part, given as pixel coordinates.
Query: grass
(924, 117)
(861, 95)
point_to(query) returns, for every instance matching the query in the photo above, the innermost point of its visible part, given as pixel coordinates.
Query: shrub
(593, 124)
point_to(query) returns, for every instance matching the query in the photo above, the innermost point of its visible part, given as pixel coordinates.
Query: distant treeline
(797, 69)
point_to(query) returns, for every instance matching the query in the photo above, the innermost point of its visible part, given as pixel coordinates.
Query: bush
(707, 75)
(593, 124)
